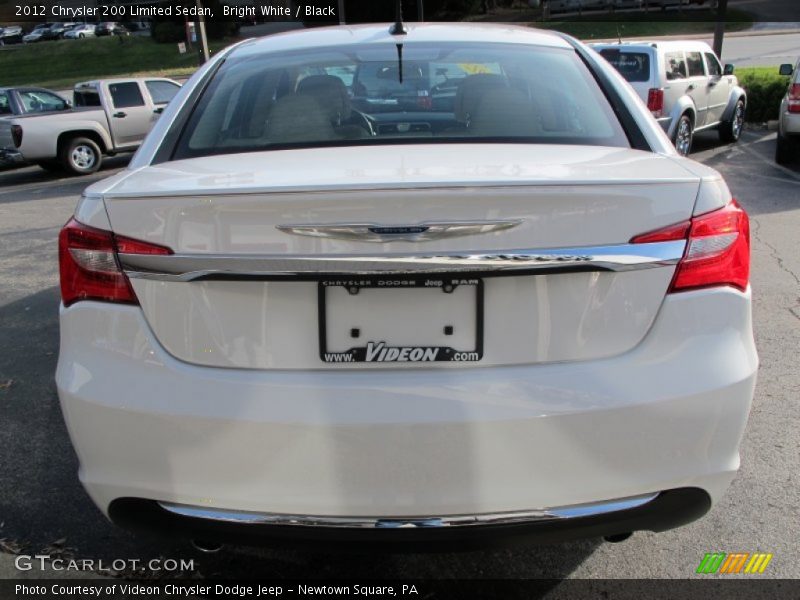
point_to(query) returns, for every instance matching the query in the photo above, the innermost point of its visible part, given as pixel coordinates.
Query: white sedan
(80, 31)
(441, 284)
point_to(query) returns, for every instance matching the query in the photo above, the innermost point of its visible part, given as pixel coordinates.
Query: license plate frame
(406, 354)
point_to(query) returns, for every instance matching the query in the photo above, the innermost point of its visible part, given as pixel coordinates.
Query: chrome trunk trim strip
(418, 232)
(501, 518)
(193, 267)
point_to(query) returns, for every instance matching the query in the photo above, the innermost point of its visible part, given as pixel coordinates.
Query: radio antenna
(398, 28)
(400, 62)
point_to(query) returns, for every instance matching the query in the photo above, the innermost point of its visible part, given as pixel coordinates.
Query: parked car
(684, 86)
(10, 35)
(37, 34)
(665, 4)
(110, 28)
(81, 31)
(581, 5)
(27, 100)
(565, 5)
(788, 144)
(67, 29)
(109, 116)
(56, 31)
(141, 25)
(522, 314)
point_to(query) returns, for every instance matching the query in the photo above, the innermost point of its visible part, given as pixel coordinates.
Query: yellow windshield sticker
(474, 68)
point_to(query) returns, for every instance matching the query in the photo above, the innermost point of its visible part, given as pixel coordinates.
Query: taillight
(424, 100)
(717, 249)
(16, 135)
(655, 101)
(89, 266)
(794, 98)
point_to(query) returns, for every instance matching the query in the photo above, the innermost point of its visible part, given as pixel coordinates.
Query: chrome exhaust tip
(618, 537)
(206, 546)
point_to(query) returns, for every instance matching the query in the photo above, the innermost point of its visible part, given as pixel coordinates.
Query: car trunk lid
(509, 254)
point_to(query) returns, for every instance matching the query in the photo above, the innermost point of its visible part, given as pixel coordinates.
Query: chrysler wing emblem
(421, 232)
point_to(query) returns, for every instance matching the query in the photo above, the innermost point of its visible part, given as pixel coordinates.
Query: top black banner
(332, 12)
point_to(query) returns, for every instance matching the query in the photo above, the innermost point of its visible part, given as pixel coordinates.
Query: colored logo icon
(730, 564)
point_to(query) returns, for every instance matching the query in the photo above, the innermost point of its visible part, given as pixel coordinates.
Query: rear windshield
(367, 94)
(86, 97)
(633, 66)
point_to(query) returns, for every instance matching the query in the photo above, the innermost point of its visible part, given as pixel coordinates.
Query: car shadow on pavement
(706, 140)
(32, 174)
(44, 509)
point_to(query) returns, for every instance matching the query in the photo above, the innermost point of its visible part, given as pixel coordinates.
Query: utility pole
(201, 33)
(188, 31)
(342, 19)
(420, 10)
(719, 30)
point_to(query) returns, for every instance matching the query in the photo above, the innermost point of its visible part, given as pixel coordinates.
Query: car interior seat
(331, 94)
(505, 112)
(297, 118)
(471, 91)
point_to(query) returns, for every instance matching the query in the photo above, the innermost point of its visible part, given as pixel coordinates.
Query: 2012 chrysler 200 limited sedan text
(444, 285)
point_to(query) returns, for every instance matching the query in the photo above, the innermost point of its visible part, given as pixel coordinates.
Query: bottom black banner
(615, 589)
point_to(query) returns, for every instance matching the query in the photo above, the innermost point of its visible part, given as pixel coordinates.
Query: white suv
(788, 147)
(684, 86)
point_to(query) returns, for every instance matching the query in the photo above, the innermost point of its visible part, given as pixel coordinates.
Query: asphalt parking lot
(44, 510)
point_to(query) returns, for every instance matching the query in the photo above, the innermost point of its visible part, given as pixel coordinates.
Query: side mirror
(787, 70)
(729, 69)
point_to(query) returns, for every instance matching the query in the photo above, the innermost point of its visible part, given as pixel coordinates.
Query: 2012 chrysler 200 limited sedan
(444, 285)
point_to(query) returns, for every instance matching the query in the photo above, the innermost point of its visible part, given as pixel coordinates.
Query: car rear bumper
(658, 512)
(10, 157)
(392, 444)
(790, 124)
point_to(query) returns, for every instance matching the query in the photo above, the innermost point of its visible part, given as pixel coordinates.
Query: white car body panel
(570, 317)
(80, 31)
(409, 443)
(789, 123)
(41, 131)
(397, 167)
(595, 384)
(579, 316)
